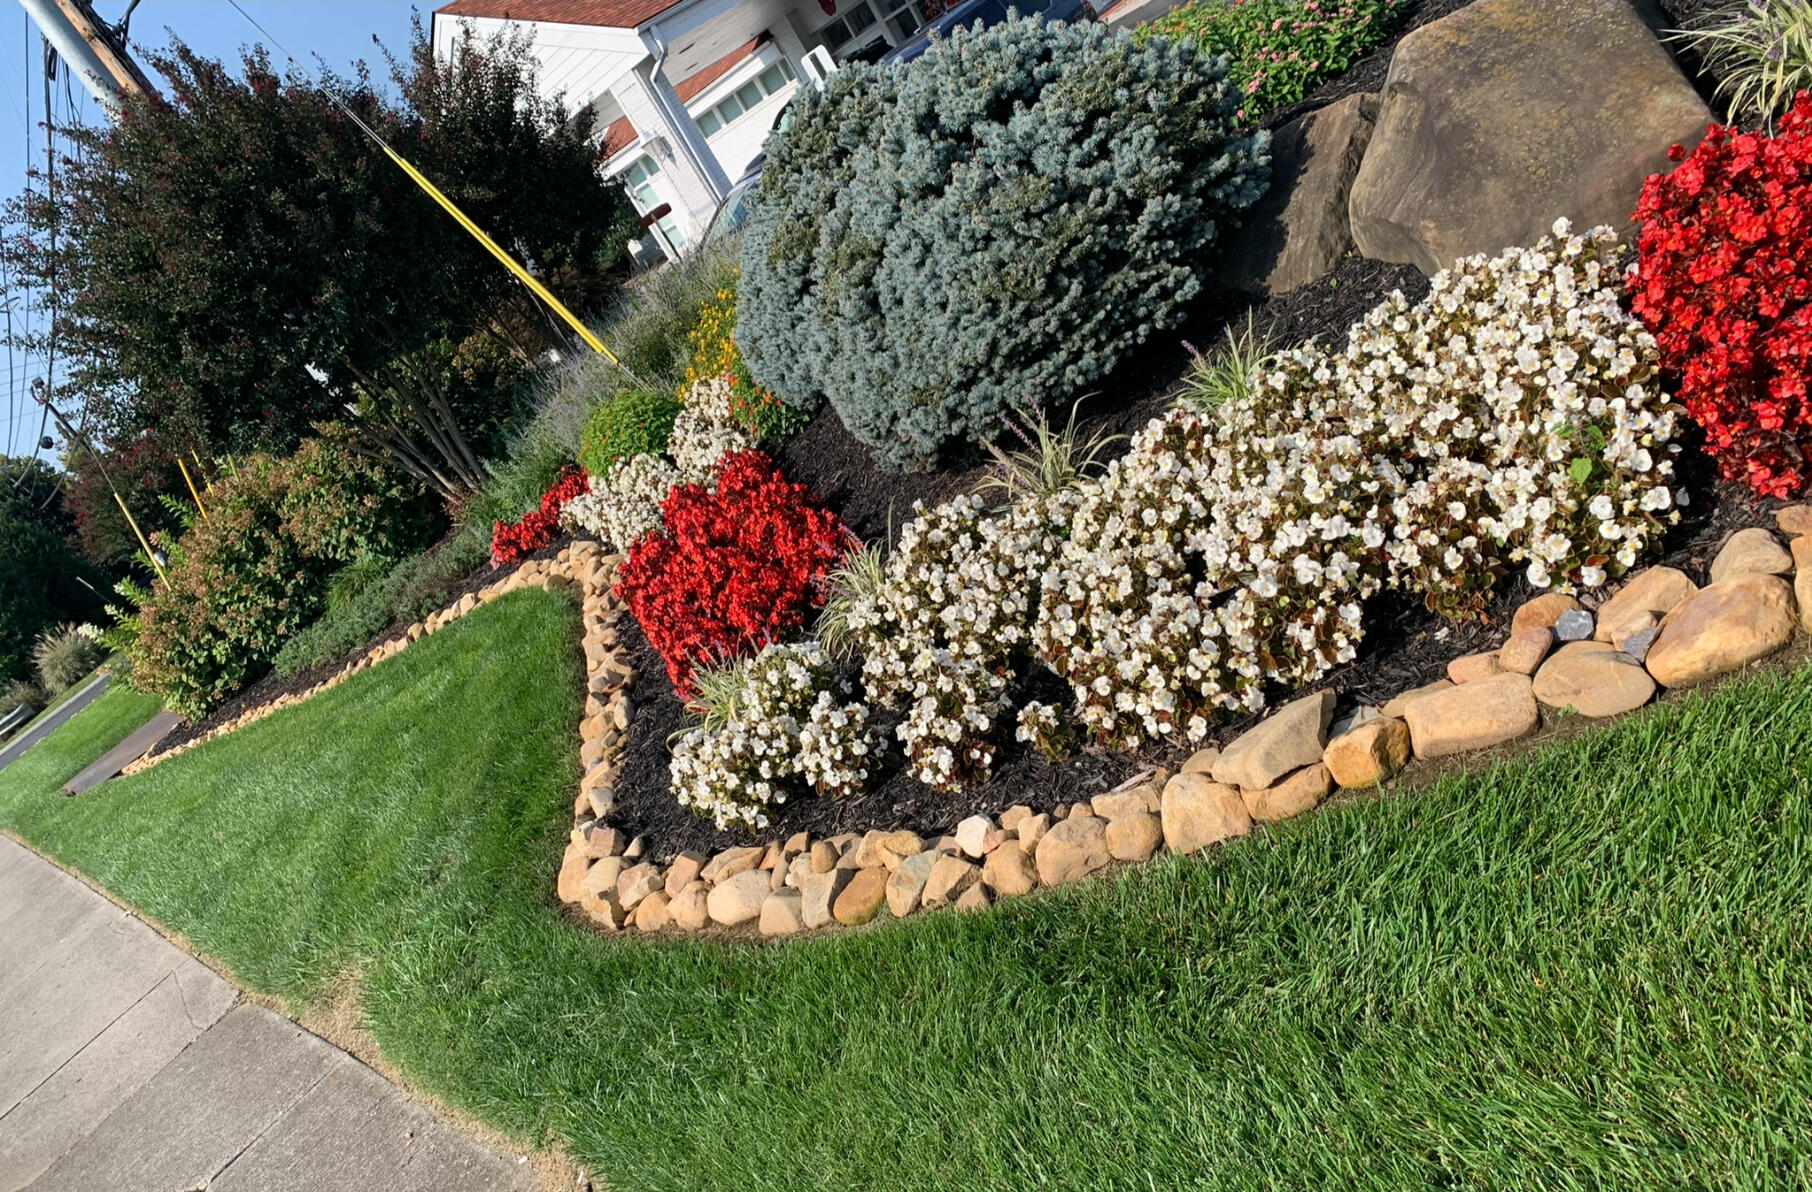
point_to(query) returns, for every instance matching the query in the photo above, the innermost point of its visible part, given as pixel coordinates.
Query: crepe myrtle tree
(992, 226)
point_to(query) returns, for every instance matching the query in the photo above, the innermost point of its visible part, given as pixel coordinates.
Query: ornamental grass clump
(779, 724)
(1760, 52)
(997, 222)
(1511, 418)
(1724, 280)
(737, 565)
(64, 655)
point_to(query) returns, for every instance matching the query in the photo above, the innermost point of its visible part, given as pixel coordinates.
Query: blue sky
(339, 31)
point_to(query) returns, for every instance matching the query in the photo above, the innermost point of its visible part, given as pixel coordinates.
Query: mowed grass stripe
(1586, 969)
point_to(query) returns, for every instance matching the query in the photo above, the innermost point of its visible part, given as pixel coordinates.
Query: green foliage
(367, 598)
(256, 570)
(1280, 50)
(1581, 969)
(1227, 373)
(637, 422)
(342, 505)
(1760, 53)
(63, 656)
(993, 226)
(44, 578)
(233, 258)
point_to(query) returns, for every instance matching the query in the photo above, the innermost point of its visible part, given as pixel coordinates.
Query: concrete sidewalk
(128, 1066)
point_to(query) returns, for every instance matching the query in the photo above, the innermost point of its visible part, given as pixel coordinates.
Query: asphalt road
(51, 723)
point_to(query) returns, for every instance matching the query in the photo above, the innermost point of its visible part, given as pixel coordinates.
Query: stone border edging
(1659, 629)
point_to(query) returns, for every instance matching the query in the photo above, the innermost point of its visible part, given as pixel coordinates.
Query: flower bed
(739, 564)
(1509, 421)
(536, 528)
(1724, 281)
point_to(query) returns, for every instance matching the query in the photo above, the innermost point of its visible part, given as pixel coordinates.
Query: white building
(686, 89)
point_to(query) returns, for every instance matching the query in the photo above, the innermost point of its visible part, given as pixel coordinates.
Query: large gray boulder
(1299, 231)
(1508, 114)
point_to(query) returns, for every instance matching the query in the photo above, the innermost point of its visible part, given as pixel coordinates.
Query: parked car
(989, 13)
(733, 212)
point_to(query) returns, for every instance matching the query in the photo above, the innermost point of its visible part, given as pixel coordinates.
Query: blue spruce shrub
(990, 227)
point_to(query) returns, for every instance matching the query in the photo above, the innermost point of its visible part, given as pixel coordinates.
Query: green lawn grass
(1585, 970)
(68, 693)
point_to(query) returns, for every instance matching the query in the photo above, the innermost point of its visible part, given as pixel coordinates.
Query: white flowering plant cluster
(1141, 611)
(626, 503)
(1044, 727)
(946, 630)
(788, 726)
(706, 430)
(1511, 417)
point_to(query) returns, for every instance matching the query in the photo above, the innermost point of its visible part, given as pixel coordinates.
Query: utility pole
(95, 50)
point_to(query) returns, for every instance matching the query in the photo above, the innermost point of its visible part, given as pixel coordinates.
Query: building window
(904, 17)
(730, 108)
(638, 179)
(839, 33)
(854, 30)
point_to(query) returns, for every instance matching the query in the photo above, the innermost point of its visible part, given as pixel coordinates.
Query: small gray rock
(1636, 644)
(1347, 721)
(1575, 625)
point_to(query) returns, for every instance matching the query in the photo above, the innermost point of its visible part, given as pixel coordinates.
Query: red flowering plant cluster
(536, 528)
(737, 566)
(1723, 280)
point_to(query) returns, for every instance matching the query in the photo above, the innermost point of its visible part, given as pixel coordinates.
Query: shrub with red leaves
(1723, 281)
(736, 567)
(537, 527)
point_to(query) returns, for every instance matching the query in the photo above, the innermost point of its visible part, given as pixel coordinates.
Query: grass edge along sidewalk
(1585, 967)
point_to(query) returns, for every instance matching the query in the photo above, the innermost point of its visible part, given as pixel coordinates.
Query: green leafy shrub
(995, 226)
(64, 655)
(638, 422)
(256, 569)
(406, 591)
(1280, 50)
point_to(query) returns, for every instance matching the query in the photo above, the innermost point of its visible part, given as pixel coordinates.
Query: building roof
(621, 132)
(614, 14)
